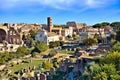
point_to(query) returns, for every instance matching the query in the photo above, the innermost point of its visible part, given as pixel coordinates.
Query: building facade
(45, 36)
(67, 31)
(64, 32)
(76, 26)
(10, 35)
(14, 37)
(90, 32)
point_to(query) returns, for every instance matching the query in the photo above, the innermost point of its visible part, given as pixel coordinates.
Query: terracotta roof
(51, 34)
(27, 27)
(56, 28)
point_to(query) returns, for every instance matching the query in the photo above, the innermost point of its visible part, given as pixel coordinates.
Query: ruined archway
(2, 35)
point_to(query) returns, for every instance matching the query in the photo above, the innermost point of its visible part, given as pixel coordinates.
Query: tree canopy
(107, 68)
(98, 37)
(56, 44)
(47, 65)
(98, 25)
(116, 47)
(105, 23)
(33, 34)
(22, 50)
(90, 41)
(115, 24)
(41, 46)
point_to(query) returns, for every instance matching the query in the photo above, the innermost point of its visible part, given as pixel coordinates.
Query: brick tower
(49, 23)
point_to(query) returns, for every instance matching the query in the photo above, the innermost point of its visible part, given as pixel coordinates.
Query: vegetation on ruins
(22, 50)
(52, 53)
(7, 56)
(99, 38)
(106, 68)
(90, 41)
(41, 46)
(75, 37)
(56, 44)
(47, 65)
(33, 33)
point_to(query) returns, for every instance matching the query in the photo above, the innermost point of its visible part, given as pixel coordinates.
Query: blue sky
(81, 11)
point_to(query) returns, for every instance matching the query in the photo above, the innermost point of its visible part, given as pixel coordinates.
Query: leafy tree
(53, 44)
(90, 41)
(6, 56)
(33, 54)
(56, 44)
(113, 35)
(98, 25)
(22, 50)
(85, 76)
(47, 65)
(112, 58)
(116, 47)
(52, 53)
(75, 37)
(105, 72)
(61, 43)
(33, 34)
(115, 24)
(100, 72)
(41, 46)
(98, 37)
(30, 43)
(100, 76)
(55, 64)
(105, 23)
(112, 41)
(106, 68)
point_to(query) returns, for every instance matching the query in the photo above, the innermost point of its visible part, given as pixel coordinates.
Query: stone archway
(2, 35)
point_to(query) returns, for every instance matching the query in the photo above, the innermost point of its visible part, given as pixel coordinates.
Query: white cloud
(99, 3)
(58, 4)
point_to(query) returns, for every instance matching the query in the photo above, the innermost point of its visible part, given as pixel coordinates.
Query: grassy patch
(67, 52)
(46, 52)
(27, 64)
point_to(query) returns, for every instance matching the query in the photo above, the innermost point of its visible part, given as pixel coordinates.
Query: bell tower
(49, 24)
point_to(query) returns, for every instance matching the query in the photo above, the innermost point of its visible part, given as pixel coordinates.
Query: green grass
(67, 52)
(24, 65)
(46, 52)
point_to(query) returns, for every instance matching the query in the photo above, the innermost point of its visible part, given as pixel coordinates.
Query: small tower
(49, 23)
